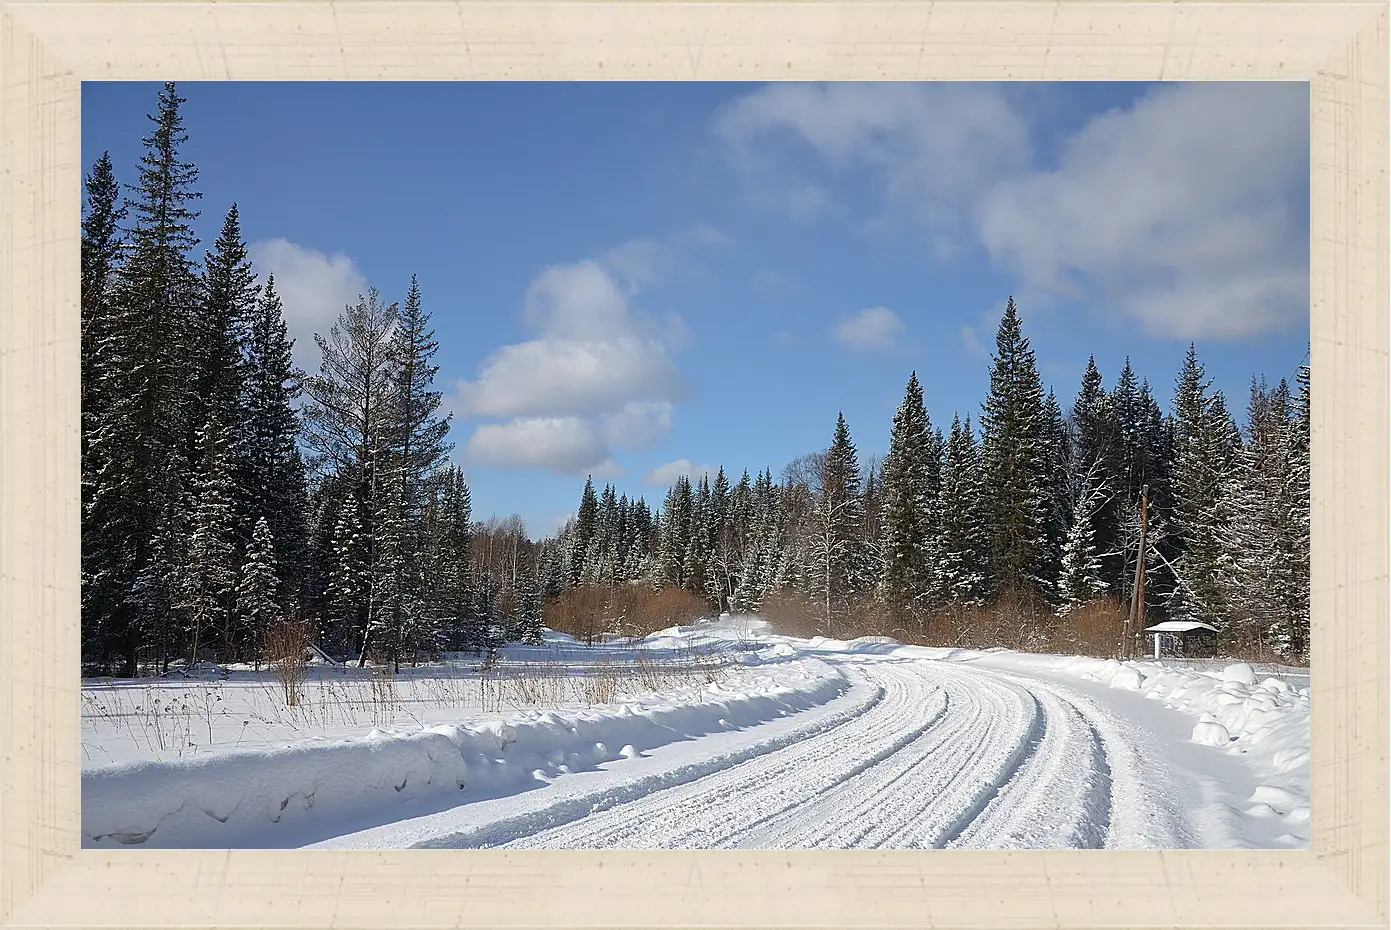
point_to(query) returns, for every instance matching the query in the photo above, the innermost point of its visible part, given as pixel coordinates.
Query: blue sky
(638, 279)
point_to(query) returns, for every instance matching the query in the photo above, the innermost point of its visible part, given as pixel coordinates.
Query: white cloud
(873, 328)
(314, 288)
(638, 262)
(638, 423)
(597, 375)
(935, 145)
(665, 475)
(568, 445)
(1181, 211)
(558, 376)
(1177, 210)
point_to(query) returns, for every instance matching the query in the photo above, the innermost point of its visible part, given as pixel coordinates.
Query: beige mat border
(47, 48)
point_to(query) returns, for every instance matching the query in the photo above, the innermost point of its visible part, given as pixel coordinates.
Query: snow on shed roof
(1179, 626)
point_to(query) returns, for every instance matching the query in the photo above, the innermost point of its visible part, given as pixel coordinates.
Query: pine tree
(397, 623)
(909, 510)
(230, 297)
(1015, 465)
(1098, 451)
(451, 590)
(102, 246)
(529, 613)
(586, 525)
(1082, 575)
(1058, 496)
(964, 545)
(1203, 451)
(270, 470)
(103, 349)
(158, 591)
(210, 581)
(258, 601)
(720, 553)
(348, 425)
(479, 634)
(139, 448)
(347, 594)
(417, 428)
(1291, 637)
(675, 533)
(695, 560)
(835, 557)
(1269, 595)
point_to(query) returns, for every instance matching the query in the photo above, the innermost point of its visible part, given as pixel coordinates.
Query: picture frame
(48, 48)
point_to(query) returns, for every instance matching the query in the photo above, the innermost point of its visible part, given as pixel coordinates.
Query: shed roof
(1179, 626)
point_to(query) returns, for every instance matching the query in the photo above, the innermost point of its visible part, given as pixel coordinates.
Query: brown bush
(287, 649)
(589, 612)
(1012, 622)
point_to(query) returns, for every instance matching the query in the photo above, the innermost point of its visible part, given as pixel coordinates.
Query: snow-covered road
(916, 753)
(829, 745)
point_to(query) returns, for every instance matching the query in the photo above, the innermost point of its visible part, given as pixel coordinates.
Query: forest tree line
(224, 492)
(1030, 508)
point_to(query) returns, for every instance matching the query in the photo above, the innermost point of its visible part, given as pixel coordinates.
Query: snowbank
(178, 802)
(1266, 721)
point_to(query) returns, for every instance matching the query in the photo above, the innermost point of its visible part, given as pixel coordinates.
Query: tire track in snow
(738, 798)
(985, 727)
(945, 755)
(1059, 798)
(574, 808)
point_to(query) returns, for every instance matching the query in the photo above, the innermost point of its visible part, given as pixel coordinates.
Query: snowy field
(720, 735)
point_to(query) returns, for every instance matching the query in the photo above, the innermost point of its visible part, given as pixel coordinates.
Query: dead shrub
(1013, 621)
(287, 649)
(589, 612)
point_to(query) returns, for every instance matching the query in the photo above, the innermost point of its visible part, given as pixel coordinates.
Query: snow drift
(180, 801)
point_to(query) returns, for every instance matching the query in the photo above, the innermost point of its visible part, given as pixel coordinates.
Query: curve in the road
(943, 755)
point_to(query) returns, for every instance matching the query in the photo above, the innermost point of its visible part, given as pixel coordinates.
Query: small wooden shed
(1181, 630)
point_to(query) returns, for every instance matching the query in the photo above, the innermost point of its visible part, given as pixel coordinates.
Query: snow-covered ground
(717, 735)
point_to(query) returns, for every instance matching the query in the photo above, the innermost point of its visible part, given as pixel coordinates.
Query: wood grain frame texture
(48, 48)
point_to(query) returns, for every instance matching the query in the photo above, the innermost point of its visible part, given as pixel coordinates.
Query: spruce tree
(417, 428)
(158, 593)
(258, 600)
(1014, 464)
(102, 245)
(140, 444)
(1096, 463)
(103, 351)
(964, 546)
(346, 598)
(1082, 573)
(586, 525)
(270, 469)
(835, 556)
(908, 510)
(1203, 451)
(1291, 638)
(1058, 495)
(451, 590)
(695, 560)
(719, 569)
(529, 613)
(230, 297)
(210, 582)
(675, 533)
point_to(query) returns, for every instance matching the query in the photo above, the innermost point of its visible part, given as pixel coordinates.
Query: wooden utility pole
(1137, 593)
